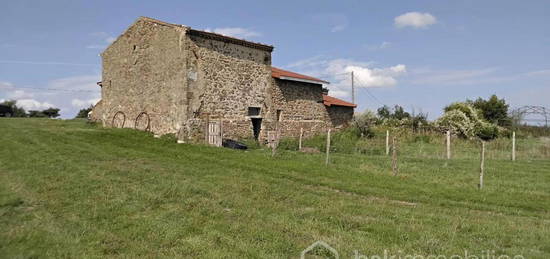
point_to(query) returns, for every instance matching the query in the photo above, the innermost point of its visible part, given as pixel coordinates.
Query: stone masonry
(168, 78)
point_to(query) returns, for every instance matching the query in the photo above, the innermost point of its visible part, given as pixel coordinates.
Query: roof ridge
(212, 35)
(286, 74)
(161, 22)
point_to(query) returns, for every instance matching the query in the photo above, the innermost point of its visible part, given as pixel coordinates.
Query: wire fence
(425, 144)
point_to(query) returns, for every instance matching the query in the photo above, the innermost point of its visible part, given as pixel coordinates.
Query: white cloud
(44, 63)
(544, 72)
(84, 83)
(96, 46)
(338, 72)
(99, 34)
(481, 76)
(101, 40)
(335, 22)
(5, 85)
(415, 20)
(12, 93)
(451, 77)
(78, 103)
(236, 32)
(19, 94)
(309, 62)
(31, 104)
(71, 94)
(383, 45)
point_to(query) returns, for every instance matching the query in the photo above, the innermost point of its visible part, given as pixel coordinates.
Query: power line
(51, 89)
(369, 93)
(44, 63)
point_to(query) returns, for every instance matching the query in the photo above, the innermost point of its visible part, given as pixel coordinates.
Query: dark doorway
(256, 127)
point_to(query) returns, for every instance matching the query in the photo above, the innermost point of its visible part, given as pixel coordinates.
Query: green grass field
(70, 189)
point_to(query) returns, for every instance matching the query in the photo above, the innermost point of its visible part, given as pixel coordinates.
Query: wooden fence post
(301, 135)
(221, 133)
(513, 146)
(481, 168)
(387, 142)
(394, 156)
(207, 129)
(448, 144)
(328, 147)
(276, 140)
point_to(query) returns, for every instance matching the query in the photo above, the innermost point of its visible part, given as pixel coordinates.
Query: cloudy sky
(419, 54)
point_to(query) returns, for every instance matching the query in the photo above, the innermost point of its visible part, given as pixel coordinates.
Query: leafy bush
(397, 113)
(37, 114)
(83, 113)
(16, 111)
(494, 110)
(466, 121)
(487, 131)
(51, 112)
(364, 123)
(458, 123)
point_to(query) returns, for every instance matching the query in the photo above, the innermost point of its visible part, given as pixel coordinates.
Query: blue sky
(419, 54)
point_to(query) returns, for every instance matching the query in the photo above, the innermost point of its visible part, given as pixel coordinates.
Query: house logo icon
(320, 245)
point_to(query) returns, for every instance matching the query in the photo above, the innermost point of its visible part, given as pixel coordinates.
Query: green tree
(51, 112)
(494, 110)
(83, 113)
(36, 114)
(397, 113)
(400, 113)
(466, 121)
(364, 122)
(384, 112)
(17, 111)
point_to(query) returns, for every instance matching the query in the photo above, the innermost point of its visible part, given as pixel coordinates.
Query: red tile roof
(330, 101)
(284, 74)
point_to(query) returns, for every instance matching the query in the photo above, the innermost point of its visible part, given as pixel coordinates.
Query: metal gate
(215, 133)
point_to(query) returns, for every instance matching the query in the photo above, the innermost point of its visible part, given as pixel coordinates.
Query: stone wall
(340, 116)
(227, 79)
(144, 79)
(168, 78)
(302, 107)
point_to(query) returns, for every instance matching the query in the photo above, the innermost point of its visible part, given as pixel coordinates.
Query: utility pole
(352, 89)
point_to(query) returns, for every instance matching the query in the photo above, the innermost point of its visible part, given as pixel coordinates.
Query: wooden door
(214, 133)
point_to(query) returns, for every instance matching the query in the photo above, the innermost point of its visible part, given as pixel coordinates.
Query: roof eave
(228, 39)
(302, 80)
(332, 104)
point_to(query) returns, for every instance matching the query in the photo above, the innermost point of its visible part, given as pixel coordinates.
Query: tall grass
(425, 144)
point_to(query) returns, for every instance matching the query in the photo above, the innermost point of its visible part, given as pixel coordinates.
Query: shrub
(494, 110)
(487, 131)
(83, 113)
(466, 121)
(16, 111)
(458, 122)
(364, 123)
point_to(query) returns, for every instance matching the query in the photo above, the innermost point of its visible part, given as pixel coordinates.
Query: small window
(253, 111)
(279, 115)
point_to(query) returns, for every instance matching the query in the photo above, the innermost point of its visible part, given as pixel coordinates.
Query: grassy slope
(70, 189)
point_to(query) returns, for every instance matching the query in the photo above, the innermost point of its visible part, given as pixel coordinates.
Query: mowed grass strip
(69, 189)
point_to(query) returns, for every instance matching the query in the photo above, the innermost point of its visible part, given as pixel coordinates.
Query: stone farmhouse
(169, 78)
